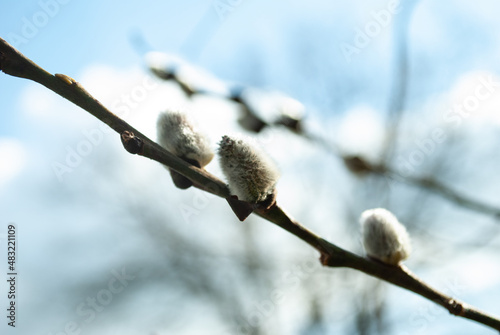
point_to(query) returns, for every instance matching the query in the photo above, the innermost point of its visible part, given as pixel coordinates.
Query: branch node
(330, 259)
(324, 259)
(456, 307)
(265, 205)
(67, 79)
(132, 143)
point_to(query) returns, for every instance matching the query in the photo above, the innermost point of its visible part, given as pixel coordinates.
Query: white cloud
(47, 109)
(38, 102)
(361, 131)
(470, 88)
(14, 159)
(472, 272)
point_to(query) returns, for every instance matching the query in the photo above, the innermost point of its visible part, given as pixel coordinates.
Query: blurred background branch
(291, 116)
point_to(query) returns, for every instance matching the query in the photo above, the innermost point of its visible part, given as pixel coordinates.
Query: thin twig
(14, 63)
(358, 164)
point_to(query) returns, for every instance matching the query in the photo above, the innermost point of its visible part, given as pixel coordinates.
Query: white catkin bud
(176, 133)
(384, 237)
(251, 174)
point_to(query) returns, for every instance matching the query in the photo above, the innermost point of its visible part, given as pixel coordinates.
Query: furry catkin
(176, 134)
(384, 237)
(251, 174)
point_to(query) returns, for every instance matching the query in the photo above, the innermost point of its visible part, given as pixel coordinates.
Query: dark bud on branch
(131, 143)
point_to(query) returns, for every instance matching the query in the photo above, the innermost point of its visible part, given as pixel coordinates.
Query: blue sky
(290, 46)
(449, 38)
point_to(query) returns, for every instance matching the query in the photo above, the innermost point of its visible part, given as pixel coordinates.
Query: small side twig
(14, 63)
(399, 89)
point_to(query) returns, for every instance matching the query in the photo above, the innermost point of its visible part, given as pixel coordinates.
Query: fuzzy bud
(176, 134)
(384, 237)
(251, 174)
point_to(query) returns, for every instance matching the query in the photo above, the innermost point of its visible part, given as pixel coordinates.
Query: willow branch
(15, 64)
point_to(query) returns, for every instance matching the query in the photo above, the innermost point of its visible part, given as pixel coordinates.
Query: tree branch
(15, 64)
